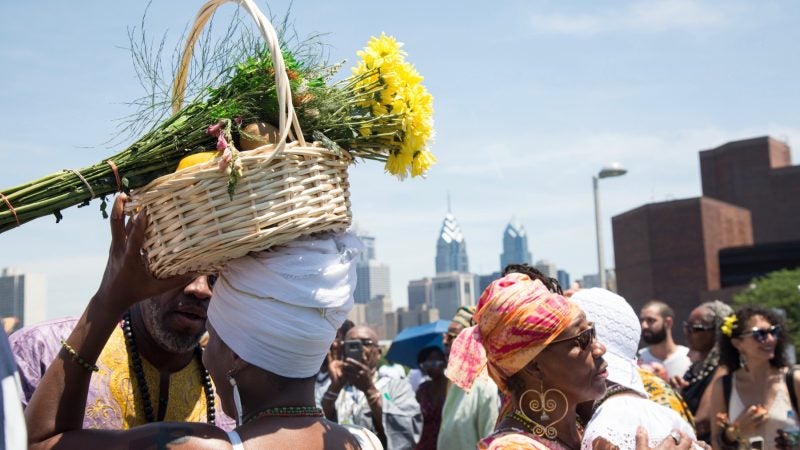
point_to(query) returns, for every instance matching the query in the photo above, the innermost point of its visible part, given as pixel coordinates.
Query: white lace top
(618, 417)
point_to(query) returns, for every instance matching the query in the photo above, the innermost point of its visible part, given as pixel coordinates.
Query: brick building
(756, 174)
(670, 250)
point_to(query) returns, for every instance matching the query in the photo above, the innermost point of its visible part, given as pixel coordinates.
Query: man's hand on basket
(126, 279)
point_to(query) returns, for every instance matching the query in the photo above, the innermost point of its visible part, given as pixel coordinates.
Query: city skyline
(531, 99)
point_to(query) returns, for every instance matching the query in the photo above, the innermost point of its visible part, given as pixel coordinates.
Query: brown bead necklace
(136, 363)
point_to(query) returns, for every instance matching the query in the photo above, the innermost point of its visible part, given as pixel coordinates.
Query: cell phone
(757, 443)
(354, 349)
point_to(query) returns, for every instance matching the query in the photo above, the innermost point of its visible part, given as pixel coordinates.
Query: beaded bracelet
(77, 358)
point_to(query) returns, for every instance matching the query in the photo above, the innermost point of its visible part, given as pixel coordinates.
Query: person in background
(150, 369)
(703, 330)
(656, 319)
(753, 401)
(625, 405)
(357, 395)
(431, 395)
(466, 416)
(334, 354)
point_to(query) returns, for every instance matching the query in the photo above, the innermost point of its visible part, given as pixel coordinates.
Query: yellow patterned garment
(662, 393)
(113, 404)
(110, 403)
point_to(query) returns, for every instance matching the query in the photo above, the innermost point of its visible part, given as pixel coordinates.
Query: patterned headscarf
(516, 319)
(464, 316)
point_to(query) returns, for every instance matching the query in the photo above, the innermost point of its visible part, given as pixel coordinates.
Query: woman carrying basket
(271, 321)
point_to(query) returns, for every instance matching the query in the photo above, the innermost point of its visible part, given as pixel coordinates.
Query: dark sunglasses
(584, 338)
(696, 327)
(761, 334)
(425, 365)
(449, 336)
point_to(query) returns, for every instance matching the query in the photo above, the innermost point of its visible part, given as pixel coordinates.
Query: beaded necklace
(286, 411)
(138, 370)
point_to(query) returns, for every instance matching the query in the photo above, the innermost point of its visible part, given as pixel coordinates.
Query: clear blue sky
(531, 98)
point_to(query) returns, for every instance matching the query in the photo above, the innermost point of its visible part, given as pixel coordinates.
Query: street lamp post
(612, 170)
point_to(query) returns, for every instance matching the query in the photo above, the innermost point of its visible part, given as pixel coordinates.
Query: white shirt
(658, 420)
(676, 363)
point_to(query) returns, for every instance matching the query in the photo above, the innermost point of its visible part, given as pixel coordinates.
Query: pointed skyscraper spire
(451, 248)
(515, 245)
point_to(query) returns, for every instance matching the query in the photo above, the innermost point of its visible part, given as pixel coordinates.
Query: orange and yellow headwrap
(516, 319)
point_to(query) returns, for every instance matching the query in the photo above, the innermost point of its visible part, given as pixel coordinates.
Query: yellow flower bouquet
(382, 112)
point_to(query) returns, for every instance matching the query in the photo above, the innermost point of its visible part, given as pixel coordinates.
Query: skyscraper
(451, 248)
(563, 279)
(452, 290)
(515, 245)
(373, 275)
(23, 295)
(547, 268)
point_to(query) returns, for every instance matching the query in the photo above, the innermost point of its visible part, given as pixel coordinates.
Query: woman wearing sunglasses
(540, 351)
(752, 403)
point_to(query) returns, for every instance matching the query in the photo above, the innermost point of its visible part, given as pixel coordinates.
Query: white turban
(279, 309)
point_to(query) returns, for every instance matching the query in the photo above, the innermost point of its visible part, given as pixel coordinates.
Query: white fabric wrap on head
(279, 309)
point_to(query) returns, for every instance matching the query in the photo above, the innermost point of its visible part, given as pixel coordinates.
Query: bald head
(361, 332)
(369, 339)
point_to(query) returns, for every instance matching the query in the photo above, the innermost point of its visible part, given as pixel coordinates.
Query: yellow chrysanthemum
(728, 325)
(390, 90)
(421, 162)
(398, 164)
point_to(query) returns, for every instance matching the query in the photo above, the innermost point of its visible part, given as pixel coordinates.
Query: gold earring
(544, 403)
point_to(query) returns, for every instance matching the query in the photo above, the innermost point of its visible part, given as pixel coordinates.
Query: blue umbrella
(409, 342)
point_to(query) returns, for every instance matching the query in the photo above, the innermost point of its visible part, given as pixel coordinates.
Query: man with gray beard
(150, 370)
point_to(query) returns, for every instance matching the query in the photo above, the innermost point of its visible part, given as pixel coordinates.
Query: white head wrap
(279, 309)
(618, 328)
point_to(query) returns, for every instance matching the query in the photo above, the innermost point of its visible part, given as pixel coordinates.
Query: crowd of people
(262, 356)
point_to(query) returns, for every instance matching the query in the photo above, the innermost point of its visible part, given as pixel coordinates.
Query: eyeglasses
(696, 327)
(368, 342)
(425, 365)
(584, 338)
(761, 334)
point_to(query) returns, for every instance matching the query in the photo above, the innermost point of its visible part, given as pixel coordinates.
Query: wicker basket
(289, 189)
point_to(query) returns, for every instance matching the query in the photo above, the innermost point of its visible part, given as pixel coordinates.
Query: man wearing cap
(466, 416)
(618, 328)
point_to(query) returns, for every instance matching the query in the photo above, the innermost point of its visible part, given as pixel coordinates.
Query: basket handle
(287, 117)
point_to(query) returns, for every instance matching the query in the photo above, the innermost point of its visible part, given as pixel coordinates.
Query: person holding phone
(358, 395)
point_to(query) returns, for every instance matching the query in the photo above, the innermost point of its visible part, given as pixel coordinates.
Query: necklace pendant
(544, 416)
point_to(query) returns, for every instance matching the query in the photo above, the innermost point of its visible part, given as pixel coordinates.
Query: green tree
(779, 289)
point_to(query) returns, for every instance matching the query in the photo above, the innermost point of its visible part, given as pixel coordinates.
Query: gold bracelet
(77, 358)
